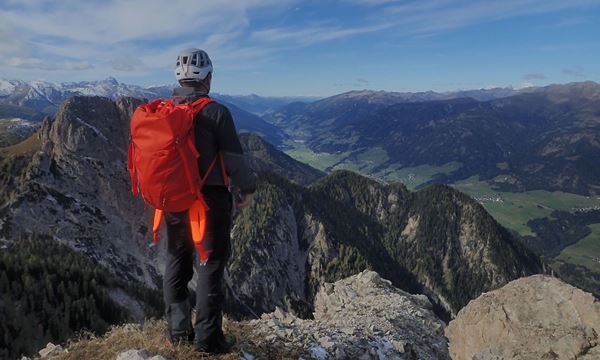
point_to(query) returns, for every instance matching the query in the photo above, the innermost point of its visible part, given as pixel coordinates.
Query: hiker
(215, 134)
(199, 218)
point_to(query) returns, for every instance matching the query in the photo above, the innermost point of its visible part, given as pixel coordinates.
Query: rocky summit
(360, 317)
(538, 317)
(364, 317)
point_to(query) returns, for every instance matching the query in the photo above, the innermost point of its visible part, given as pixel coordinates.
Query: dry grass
(151, 337)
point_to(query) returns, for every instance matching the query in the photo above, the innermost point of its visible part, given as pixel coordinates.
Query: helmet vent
(193, 65)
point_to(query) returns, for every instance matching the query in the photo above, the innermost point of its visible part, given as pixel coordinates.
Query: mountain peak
(110, 80)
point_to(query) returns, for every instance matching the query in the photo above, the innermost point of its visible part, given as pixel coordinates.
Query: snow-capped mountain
(45, 96)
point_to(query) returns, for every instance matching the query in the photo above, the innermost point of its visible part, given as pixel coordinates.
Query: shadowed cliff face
(72, 183)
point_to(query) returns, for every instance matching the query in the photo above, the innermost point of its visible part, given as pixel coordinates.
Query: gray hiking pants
(181, 260)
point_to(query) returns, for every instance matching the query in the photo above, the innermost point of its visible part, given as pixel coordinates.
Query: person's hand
(246, 200)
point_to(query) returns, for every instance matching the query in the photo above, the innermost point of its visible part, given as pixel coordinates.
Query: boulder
(537, 317)
(51, 350)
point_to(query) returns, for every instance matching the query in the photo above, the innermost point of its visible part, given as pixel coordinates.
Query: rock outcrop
(360, 317)
(538, 317)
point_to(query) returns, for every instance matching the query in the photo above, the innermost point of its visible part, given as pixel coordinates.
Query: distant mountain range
(536, 138)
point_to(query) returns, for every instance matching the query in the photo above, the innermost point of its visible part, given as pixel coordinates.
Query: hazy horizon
(216, 90)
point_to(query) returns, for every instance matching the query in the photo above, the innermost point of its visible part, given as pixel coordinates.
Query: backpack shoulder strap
(199, 104)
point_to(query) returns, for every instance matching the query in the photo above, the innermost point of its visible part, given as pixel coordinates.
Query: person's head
(194, 69)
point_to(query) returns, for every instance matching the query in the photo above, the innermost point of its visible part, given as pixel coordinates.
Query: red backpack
(163, 163)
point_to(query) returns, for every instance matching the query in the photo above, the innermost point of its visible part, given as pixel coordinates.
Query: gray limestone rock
(538, 317)
(360, 317)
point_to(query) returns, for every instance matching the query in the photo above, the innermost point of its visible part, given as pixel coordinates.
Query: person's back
(216, 138)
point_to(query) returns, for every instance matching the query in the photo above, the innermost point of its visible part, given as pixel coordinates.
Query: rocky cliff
(75, 187)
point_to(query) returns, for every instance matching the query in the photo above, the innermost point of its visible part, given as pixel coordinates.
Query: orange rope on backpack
(196, 214)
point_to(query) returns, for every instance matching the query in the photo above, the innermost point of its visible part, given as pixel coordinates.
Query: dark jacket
(215, 131)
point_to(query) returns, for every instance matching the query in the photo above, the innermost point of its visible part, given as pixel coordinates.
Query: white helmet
(192, 65)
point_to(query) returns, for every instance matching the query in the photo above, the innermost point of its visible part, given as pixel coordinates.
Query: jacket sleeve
(241, 176)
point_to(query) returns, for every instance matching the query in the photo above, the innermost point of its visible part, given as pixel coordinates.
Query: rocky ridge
(360, 317)
(365, 317)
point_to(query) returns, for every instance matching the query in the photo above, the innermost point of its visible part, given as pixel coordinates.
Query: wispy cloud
(575, 71)
(534, 76)
(371, 2)
(430, 16)
(110, 22)
(313, 34)
(357, 83)
(35, 63)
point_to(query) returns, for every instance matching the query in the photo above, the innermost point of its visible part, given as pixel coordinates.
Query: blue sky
(315, 48)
